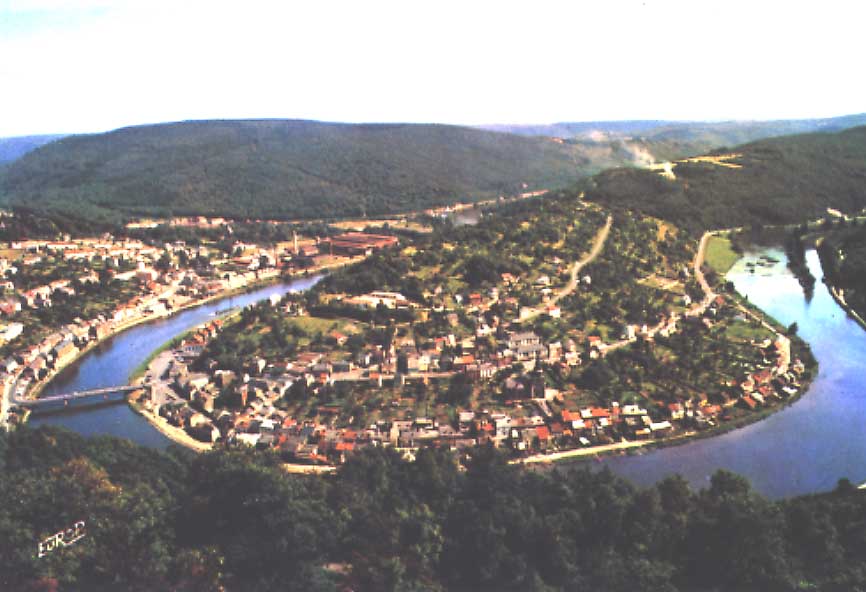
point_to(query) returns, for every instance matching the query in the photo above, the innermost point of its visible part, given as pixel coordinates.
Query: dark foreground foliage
(237, 520)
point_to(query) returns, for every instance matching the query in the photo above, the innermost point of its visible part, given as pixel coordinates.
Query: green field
(720, 256)
(747, 331)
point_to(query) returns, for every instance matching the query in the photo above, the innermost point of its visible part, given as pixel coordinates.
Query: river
(804, 448)
(112, 362)
(807, 447)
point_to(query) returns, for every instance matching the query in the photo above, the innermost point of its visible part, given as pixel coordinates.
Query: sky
(94, 65)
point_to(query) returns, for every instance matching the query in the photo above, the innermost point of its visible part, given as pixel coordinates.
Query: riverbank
(175, 434)
(839, 296)
(757, 315)
(580, 455)
(592, 451)
(37, 387)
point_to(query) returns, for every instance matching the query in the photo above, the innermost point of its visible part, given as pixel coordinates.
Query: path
(709, 295)
(698, 309)
(578, 452)
(597, 246)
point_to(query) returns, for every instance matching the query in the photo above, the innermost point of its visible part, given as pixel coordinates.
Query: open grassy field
(313, 325)
(746, 331)
(720, 256)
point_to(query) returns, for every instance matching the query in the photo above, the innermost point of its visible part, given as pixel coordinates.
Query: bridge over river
(100, 396)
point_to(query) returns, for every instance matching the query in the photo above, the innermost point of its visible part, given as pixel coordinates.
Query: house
(64, 353)
(749, 403)
(525, 345)
(542, 280)
(483, 371)
(661, 428)
(206, 432)
(337, 338)
(597, 415)
(676, 411)
(11, 331)
(542, 433)
(249, 439)
(100, 330)
(351, 244)
(509, 279)
(10, 306)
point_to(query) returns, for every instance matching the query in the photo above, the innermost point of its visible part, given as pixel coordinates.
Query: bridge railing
(77, 395)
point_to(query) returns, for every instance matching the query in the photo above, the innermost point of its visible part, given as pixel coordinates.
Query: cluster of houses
(88, 249)
(775, 378)
(219, 405)
(35, 362)
(159, 294)
(161, 289)
(254, 417)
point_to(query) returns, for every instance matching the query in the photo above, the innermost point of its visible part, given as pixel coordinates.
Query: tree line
(235, 520)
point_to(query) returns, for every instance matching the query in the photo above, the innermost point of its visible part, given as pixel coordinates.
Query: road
(697, 310)
(578, 452)
(597, 246)
(709, 295)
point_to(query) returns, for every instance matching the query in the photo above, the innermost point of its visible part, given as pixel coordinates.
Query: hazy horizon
(97, 65)
(480, 125)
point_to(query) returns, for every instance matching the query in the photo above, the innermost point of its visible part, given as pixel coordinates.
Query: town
(318, 376)
(370, 357)
(62, 297)
(257, 417)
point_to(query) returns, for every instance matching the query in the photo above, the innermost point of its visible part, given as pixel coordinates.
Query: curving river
(804, 448)
(807, 447)
(112, 362)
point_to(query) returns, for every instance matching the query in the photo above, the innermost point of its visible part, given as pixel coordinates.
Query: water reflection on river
(114, 360)
(807, 447)
(802, 449)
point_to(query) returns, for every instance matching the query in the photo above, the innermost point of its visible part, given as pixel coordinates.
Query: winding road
(597, 246)
(709, 295)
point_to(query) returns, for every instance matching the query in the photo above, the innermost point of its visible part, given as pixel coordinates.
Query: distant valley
(675, 139)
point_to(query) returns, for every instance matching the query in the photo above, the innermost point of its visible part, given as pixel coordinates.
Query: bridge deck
(77, 395)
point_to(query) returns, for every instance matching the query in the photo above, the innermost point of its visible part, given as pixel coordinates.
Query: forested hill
(774, 181)
(288, 169)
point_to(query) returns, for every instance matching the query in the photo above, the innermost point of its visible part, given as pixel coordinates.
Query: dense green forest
(781, 181)
(843, 259)
(238, 521)
(300, 169)
(286, 169)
